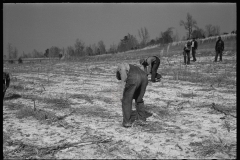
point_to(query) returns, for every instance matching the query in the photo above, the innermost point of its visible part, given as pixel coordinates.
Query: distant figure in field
(136, 82)
(151, 65)
(60, 55)
(219, 48)
(6, 82)
(194, 48)
(20, 60)
(186, 52)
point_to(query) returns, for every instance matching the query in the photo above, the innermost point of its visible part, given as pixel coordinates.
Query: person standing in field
(186, 52)
(194, 48)
(136, 82)
(219, 48)
(151, 65)
(6, 82)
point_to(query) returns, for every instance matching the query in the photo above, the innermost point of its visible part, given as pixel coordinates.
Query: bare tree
(46, 54)
(94, 48)
(89, 51)
(24, 55)
(208, 29)
(54, 51)
(198, 33)
(15, 53)
(175, 37)
(101, 47)
(184, 38)
(189, 24)
(36, 54)
(63, 51)
(212, 30)
(132, 41)
(127, 43)
(167, 36)
(113, 48)
(79, 48)
(10, 50)
(70, 51)
(144, 36)
(216, 30)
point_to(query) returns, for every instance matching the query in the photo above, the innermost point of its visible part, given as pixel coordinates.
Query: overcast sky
(41, 26)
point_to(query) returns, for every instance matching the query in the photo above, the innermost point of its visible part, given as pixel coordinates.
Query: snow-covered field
(73, 110)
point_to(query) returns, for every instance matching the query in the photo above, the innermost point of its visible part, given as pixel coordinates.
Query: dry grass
(161, 112)
(14, 106)
(104, 99)
(229, 91)
(17, 87)
(226, 109)
(82, 96)
(40, 115)
(6, 137)
(153, 127)
(57, 103)
(206, 89)
(52, 72)
(210, 146)
(12, 96)
(91, 98)
(115, 149)
(188, 95)
(107, 90)
(97, 70)
(93, 111)
(196, 76)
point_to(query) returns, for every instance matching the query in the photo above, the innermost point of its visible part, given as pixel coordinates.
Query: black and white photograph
(120, 80)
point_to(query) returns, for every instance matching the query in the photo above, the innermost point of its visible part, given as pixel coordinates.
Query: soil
(78, 114)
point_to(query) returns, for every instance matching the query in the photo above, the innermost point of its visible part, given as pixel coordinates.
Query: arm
(145, 69)
(149, 68)
(149, 62)
(122, 72)
(123, 83)
(7, 80)
(184, 49)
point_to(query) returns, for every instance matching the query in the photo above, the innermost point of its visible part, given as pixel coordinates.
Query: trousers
(154, 69)
(186, 55)
(218, 52)
(135, 88)
(194, 54)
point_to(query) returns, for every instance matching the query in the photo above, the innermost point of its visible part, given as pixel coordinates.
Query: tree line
(128, 42)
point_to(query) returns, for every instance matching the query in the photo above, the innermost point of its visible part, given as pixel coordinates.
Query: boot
(141, 113)
(159, 76)
(220, 58)
(216, 56)
(126, 125)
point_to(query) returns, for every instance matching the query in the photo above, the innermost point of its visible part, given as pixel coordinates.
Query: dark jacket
(194, 45)
(187, 47)
(219, 45)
